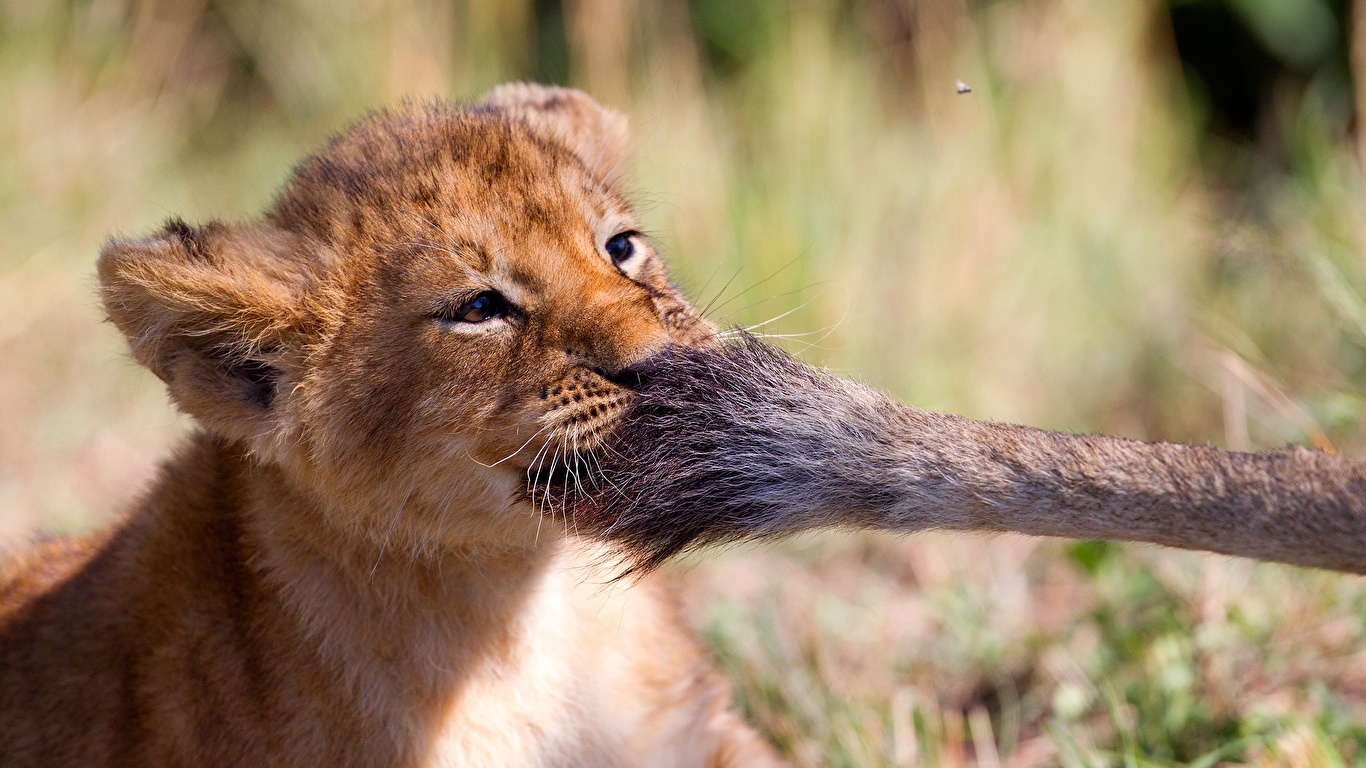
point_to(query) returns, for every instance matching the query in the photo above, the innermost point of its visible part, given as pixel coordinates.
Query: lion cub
(341, 567)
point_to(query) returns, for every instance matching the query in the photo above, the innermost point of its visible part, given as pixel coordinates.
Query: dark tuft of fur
(190, 239)
(741, 440)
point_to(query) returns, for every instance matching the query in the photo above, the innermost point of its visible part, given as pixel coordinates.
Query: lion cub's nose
(631, 377)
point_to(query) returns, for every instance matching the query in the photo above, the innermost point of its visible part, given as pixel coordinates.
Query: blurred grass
(1062, 246)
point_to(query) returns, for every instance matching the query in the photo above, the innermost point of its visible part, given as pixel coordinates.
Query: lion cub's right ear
(216, 312)
(597, 135)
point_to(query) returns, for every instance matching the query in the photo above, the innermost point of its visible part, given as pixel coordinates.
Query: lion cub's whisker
(707, 310)
(514, 453)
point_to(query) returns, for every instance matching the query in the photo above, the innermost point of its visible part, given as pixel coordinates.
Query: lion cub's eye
(486, 306)
(621, 246)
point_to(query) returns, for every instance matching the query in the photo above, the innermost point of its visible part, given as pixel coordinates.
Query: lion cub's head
(440, 303)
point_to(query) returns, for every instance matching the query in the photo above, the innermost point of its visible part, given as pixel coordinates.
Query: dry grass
(1045, 249)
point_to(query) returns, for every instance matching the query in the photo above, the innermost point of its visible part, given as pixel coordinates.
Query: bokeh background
(1146, 218)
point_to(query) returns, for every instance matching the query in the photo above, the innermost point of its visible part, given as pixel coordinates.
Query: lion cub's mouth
(567, 465)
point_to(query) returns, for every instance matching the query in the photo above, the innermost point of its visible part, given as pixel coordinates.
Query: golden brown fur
(341, 568)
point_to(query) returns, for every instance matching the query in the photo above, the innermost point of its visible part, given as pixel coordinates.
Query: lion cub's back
(57, 612)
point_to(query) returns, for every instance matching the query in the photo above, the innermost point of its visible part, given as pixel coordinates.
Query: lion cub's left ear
(597, 135)
(216, 312)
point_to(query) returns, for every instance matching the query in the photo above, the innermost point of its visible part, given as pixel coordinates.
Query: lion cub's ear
(216, 312)
(597, 135)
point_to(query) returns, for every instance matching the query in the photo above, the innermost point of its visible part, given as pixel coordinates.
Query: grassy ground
(1051, 248)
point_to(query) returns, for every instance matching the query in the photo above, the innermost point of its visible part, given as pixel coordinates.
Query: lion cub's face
(441, 303)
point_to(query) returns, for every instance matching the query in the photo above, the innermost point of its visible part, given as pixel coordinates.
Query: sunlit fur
(341, 566)
(743, 441)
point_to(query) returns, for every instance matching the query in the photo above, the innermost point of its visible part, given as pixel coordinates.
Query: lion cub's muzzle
(584, 406)
(581, 410)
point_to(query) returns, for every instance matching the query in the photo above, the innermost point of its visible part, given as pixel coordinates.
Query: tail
(744, 441)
